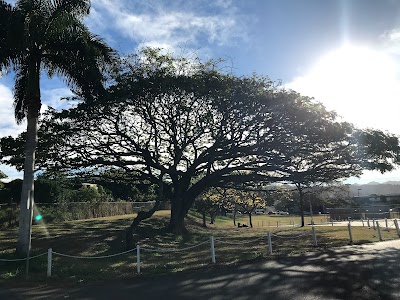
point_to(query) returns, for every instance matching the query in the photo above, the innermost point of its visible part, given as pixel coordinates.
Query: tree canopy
(188, 127)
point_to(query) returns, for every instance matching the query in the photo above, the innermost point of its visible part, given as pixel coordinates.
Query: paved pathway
(369, 271)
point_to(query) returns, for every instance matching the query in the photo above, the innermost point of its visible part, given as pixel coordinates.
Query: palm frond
(20, 93)
(79, 57)
(77, 8)
(51, 34)
(11, 45)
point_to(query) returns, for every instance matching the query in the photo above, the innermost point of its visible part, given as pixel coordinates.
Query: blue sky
(344, 53)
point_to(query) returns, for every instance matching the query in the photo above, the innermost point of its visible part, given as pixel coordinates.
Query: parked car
(280, 212)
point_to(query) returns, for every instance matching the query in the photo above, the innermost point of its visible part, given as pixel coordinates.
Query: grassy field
(105, 236)
(280, 220)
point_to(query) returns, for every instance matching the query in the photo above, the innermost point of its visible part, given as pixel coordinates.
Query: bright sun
(361, 84)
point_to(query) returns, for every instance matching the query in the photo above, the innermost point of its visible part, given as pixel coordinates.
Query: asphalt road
(369, 271)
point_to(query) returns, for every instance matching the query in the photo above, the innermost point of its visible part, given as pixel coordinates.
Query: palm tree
(47, 36)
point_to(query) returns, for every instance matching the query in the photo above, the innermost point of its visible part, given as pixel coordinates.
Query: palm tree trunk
(26, 212)
(33, 105)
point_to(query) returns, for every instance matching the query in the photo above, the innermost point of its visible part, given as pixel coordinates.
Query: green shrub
(8, 217)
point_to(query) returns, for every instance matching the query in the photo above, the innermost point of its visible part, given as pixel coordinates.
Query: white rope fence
(152, 249)
(92, 257)
(22, 259)
(212, 241)
(376, 226)
(290, 236)
(138, 253)
(219, 240)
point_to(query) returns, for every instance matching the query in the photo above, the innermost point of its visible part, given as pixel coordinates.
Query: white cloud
(391, 41)
(225, 4)
(153, 23)
(8, 125)
(52, 97)
(11, 172)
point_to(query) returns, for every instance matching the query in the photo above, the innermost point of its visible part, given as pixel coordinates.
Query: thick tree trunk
(26, 211)
(250, 221)
(203, 213)
(301, 207)
(212, 217)
(178, 213)
(177, 225)
(142, 215)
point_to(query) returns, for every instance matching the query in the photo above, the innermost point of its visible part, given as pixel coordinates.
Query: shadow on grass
(349, 273)
(99, 237)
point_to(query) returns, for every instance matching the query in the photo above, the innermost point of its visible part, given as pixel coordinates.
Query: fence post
(397, 227)
(369, 225)
(350, 235)
(314, 237)
(373, 223)
(212, 250)
(332, 221)
(379, 231)
(269, 243)
(277, 224)
(386, 223)
(362, 220)
(138, 258)
(49, 261)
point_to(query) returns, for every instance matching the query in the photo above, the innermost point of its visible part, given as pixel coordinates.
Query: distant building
(90, 186)
(362, 212)
(368, 206)
(374, 199)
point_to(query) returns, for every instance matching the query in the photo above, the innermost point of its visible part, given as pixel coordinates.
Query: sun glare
(361, 84)
(40, 221)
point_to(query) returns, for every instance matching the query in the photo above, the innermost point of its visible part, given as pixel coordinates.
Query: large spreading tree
(186, 127)
(46, 36)
(172, 122)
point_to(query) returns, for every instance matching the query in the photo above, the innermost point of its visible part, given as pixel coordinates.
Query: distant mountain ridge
(385, 188)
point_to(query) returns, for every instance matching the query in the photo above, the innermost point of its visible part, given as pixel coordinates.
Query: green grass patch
(106, 236)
